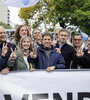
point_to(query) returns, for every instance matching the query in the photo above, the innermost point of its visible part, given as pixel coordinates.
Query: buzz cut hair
(77, 34)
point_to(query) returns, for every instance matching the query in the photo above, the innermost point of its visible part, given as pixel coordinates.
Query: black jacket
(68, 52)
(5, 59)
(84, 61)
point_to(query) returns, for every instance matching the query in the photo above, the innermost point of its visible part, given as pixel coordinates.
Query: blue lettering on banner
(25, 2)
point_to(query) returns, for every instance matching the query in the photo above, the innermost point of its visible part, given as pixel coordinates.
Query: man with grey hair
(37, 38)
(5, 51)
(56, 35)
(56, 32)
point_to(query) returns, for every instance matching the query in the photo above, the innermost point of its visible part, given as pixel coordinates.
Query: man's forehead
(45, 37)
(64, 32)
(77, 36)
(36, 31)
(57, 31)
(88, 38)
(2, 29)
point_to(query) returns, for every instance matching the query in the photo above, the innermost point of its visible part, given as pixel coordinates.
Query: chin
(26, 48)
(3, 40)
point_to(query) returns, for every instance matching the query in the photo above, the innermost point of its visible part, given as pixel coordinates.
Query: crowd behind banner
(27, 51)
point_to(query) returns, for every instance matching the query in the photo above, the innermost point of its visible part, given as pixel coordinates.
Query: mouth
(26, 46)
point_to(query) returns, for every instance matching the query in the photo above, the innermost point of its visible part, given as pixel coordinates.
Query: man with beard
(5, 51)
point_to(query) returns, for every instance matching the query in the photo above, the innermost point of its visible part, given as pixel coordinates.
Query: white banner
(20, 3)
(41, 85)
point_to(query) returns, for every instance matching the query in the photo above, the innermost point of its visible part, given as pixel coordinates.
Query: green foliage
(5, 25)
(75, 12)
(82, 19)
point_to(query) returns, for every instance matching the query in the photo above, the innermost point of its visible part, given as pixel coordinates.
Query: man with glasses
(79, 46)
(77, 42)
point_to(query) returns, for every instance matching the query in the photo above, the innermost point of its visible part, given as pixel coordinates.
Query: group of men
(46, 56)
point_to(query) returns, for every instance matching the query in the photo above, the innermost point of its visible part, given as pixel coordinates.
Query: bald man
(5, 51)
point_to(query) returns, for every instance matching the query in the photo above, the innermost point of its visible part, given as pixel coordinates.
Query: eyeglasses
(77, 39)
(2, 32)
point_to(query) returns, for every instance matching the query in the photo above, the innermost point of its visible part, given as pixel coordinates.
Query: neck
(2, 42)
(60, 43)
(47, 48)
(77, 47)
(26, 52)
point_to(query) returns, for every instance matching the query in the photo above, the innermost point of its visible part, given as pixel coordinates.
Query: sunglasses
(77, 39)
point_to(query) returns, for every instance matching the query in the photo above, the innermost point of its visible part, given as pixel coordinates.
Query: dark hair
(13, 32)
(47, 34)
(77, 34)
(17, 36)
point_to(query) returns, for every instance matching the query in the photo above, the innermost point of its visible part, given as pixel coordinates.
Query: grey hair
(35, 29)
(57, 28)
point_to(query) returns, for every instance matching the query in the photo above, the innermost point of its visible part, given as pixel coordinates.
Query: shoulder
(11, 45)
(40, 48)
(68, 46)
(18, 53)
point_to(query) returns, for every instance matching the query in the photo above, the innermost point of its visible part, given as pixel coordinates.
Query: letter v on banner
(25, 2)
(20, 3)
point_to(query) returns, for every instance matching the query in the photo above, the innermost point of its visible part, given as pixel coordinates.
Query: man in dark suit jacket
(5, 51)
(67, 51)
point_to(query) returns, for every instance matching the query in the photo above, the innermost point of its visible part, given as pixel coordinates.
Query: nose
(47, 41)
(63, 36)
(24, 32)
(3, 33)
